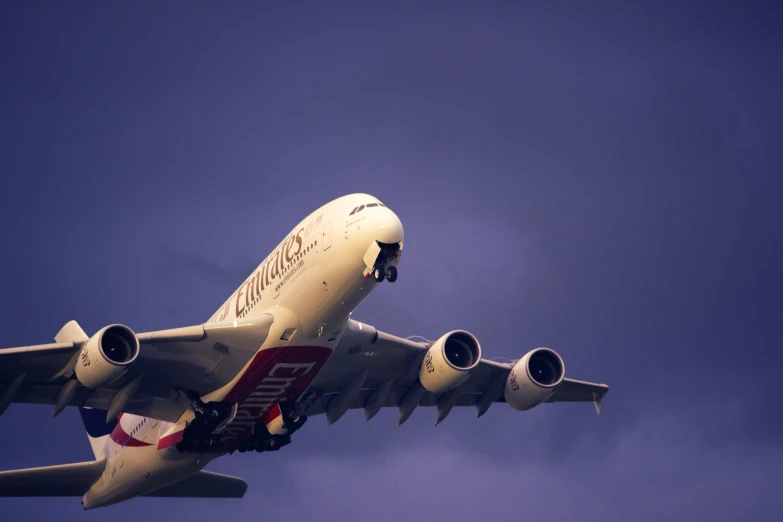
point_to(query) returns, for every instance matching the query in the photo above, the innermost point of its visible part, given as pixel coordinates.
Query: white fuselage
(310, 283)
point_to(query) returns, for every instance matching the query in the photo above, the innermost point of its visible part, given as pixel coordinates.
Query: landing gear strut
(262, 440)
(203, 432)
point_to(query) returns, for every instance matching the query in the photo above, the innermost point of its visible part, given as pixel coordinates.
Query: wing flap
(148, 405)
(65, 480)
(204, 484)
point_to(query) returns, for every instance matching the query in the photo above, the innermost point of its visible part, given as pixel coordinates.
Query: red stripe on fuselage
(272, 413)
(119, 436)
(170, 440)
(280, 374)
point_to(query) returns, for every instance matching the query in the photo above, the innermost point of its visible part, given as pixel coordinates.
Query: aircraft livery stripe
(275, 374)
(119, 436)
(170, 440)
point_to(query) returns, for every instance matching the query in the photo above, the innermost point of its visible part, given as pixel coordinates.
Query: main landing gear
(262, 440)
(203, 432)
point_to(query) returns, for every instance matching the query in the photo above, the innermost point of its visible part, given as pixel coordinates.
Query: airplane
(159, 406)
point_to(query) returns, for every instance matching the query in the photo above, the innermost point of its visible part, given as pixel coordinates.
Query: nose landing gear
(385, 263)
(380, 273)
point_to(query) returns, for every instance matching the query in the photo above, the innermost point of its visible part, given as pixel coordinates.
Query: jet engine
(534, 378)
(106, 356)
(449, 361)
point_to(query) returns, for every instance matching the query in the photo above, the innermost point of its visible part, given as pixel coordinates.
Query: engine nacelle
(449, 361)
(534, 378)
(106, 356)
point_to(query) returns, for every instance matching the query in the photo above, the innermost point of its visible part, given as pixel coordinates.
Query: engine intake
(449, 361)
(534, 378)
(106, 356)
(119, 345)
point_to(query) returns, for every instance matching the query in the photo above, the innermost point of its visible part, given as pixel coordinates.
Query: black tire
(294, 424)
(392, 275)
(378, 274)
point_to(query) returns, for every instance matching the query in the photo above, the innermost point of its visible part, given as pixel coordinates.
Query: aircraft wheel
(299, 422)
(378, 274)
(293, 425)
(391, 274)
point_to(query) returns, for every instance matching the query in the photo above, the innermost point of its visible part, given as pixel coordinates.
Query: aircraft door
(326, 235)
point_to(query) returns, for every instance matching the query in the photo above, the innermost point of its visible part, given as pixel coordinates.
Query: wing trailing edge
(204, 484)
(64, 480)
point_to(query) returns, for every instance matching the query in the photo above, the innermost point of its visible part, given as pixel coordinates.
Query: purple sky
(603, 180)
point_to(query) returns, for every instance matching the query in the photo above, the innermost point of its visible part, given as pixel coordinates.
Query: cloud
(434, 479)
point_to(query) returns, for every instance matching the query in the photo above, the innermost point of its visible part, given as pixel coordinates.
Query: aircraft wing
(63, 480)
(198, 358)
(73, 480)
(371, 369)
(204, 484)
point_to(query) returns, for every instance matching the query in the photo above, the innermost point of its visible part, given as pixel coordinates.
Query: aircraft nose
(388, 227)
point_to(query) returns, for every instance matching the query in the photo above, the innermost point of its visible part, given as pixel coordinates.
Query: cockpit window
(368, 205)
